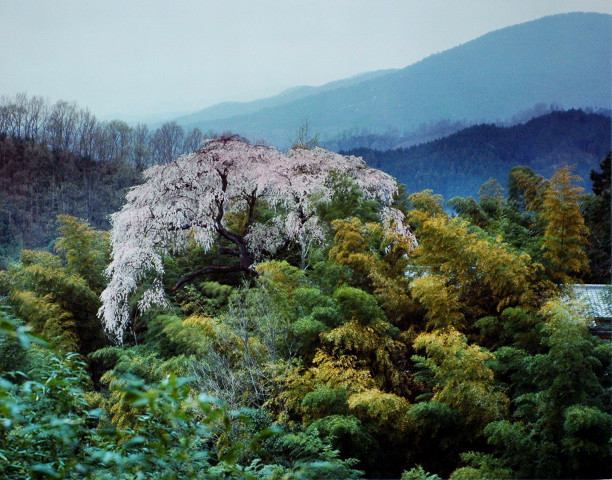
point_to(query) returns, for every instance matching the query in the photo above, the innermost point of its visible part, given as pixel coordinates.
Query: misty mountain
(459, 164)
(561, 59)
(232, 109)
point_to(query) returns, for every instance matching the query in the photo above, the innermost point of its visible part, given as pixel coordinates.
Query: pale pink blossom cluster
(194, 197)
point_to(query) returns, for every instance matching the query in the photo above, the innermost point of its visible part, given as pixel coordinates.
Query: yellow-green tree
(526, 188)
(84, 250)
(58, 295)
(565, 234)
(424, 204)
(379, 260)
(462, 380)
(467, 275)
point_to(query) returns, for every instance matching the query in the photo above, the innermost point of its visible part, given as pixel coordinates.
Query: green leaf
(46, 469)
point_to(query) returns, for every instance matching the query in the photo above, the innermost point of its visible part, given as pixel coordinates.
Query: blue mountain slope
(457, 165)
(563, 59)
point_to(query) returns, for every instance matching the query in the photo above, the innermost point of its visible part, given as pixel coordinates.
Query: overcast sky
(125, 58)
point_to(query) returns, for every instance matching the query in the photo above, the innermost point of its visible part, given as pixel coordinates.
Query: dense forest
(309, 320)
(60, 159)
(459, 163)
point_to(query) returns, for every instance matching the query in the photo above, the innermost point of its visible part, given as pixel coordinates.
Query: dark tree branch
(237, 239)
(229, 251)
(252, 201)
(232, 237)
(204, 271)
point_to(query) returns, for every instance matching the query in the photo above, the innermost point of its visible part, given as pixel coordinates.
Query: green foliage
(491, 191)
(356, 305)
(468, 275)
(425, 204)
(567, 373)
(334, 375)
(347, 202)
(481, 466)
(542, 218)
(378, 356)
(561, 414)
(474, 211)
(346, 433)
(204, 298)
(374, 349)
(417, 473)
(85, 251)
(326, 401)
(47, 318)
(596, 210)
(463, 381)
(172, 335)
(45, 425)
(169, 437)
(301, 454)
(381, 410)
(515, 326)
(587, 433)
(50, 429)
(502, 218)
(526, 188)
(437, 434)
(58, 294)
(12, 353)
(378, 260)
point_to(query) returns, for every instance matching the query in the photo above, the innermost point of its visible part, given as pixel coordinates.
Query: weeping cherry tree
(200, 196)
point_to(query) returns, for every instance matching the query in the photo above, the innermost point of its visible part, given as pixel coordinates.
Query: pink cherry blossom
(191, 199)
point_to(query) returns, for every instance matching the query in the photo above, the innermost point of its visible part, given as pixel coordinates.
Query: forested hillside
(458, 164)
(58, 158)
(271, 315)
(37, 184)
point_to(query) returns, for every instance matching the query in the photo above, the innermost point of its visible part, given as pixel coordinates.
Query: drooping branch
(285, 244)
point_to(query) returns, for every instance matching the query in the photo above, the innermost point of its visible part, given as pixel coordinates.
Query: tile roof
(597, 298)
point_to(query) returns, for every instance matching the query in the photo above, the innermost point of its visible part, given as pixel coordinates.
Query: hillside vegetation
(349, 351)
(58, 159)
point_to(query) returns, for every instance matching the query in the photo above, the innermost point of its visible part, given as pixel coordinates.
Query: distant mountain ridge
(232, 109)
(457, 165)
(561, 59)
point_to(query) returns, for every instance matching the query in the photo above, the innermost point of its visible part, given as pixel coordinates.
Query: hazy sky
(126, 57)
